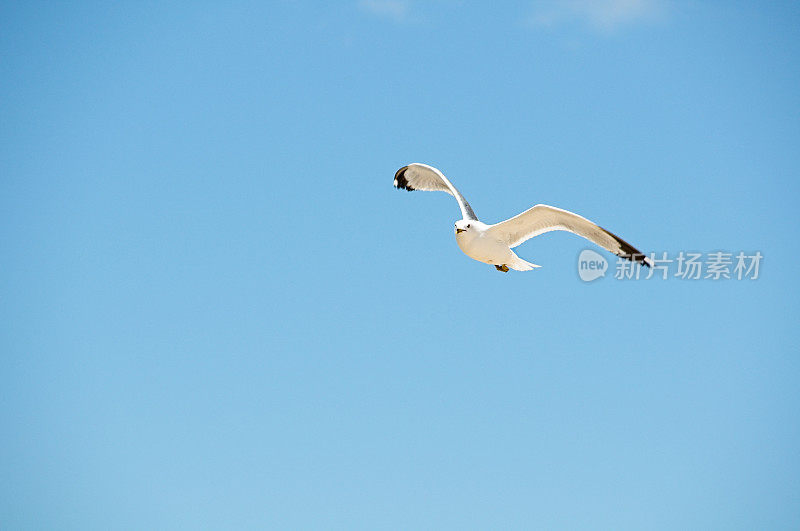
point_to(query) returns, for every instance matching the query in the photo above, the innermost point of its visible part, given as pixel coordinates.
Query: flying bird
(492, 244)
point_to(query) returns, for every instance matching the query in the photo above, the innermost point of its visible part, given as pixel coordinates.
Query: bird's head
(464, 225)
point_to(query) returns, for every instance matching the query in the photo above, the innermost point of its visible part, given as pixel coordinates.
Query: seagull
(492, 244)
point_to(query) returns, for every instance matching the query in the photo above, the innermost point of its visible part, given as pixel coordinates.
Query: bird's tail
(521, 265)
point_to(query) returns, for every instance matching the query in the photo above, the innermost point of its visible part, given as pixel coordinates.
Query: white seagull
(492, 244)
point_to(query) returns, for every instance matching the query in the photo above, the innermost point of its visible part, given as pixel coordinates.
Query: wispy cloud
(396, 10)
(601, 15)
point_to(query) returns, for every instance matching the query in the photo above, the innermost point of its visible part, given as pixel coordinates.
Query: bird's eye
(467, 226)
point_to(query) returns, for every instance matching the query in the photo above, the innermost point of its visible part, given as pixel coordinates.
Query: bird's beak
(458, 231)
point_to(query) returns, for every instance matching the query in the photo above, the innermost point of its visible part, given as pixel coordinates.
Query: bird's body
(492, 244)
(480, 244)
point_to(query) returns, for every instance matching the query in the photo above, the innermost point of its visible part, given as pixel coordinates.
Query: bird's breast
(481, 248)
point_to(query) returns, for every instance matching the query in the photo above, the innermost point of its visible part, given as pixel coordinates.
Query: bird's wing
(544, 218)
(418, 176)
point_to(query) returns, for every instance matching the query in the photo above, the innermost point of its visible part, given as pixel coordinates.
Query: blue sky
(218, 313)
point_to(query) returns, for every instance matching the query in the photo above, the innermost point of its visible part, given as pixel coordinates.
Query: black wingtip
(400, 180)
(637, 257)
(629, 252)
